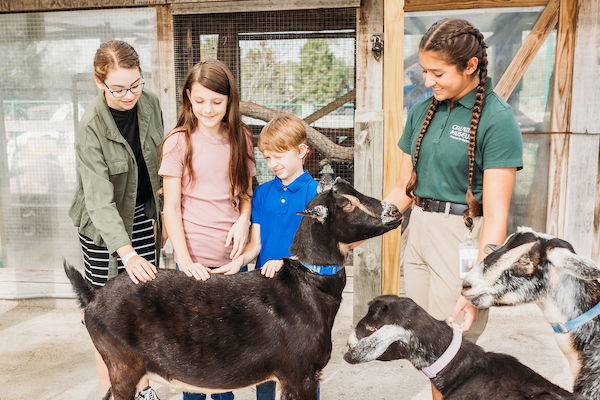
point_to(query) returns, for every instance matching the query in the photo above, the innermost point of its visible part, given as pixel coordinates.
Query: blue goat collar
(323, 269)
(565, 327)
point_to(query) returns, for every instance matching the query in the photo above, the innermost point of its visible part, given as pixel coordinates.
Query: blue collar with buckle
(323, 269)
(565, 327)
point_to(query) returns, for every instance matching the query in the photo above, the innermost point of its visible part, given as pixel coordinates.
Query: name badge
(467, 257)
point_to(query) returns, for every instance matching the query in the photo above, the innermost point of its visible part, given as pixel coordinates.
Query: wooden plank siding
(525, 55)
(393, 114)
(560, 118)
(584, 152)
(368, 148)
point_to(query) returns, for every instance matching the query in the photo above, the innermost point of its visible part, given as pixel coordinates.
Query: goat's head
(390, 331)
(523, 270)
(351, 216)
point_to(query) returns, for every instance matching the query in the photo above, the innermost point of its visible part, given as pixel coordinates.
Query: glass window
(46, 85)
(505, 30)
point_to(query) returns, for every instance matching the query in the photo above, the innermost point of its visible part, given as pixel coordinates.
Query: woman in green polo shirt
(116, 204)
(461, 149)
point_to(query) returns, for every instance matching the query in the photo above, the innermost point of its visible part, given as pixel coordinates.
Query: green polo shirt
(442, 169)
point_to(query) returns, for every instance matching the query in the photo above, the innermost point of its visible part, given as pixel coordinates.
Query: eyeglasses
(120, 93)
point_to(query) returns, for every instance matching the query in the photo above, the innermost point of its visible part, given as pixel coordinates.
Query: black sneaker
(147, 394)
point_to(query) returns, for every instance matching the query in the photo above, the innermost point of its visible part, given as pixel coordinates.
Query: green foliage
(321, 77)
(264, 80)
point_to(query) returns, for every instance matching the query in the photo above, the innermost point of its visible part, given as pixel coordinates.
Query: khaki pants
(431, 264)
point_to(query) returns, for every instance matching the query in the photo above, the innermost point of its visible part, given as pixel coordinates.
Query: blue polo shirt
(274, 208)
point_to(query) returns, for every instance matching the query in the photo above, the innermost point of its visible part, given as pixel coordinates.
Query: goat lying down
(532, 267)
(236, 331)
(397, 328)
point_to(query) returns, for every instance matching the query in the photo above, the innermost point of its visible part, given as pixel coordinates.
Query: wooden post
(166, 66)
(560, 118)
(368, 148)
(583, 220)
(393, 106)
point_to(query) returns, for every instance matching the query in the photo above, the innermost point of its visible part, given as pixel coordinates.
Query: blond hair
(284, 132)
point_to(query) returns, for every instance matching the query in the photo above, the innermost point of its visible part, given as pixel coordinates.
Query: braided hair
(457, 41)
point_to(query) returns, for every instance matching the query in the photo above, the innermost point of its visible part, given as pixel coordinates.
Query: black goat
(236, 331)
(397, 328)
(533, 267)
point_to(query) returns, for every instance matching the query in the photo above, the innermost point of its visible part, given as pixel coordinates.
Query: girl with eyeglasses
(116, 204)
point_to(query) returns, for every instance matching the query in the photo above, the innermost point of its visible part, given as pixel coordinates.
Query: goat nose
(466, 285)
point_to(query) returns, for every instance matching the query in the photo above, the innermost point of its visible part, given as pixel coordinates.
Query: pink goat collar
(441, 363)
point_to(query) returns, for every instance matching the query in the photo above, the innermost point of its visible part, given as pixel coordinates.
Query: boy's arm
(250, 253)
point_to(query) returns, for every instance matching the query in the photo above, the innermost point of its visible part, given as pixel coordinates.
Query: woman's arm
(397, 195)
(174, 225)
(498, 185)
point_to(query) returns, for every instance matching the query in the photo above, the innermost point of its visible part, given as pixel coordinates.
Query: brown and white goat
(236, 331)
(397, 328)
(532, 267)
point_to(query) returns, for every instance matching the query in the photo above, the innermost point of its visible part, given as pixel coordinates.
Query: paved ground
(45, 353)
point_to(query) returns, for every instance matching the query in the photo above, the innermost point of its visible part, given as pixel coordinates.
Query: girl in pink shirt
(207, 168)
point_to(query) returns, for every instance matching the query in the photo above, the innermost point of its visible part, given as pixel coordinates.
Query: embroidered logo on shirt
(460, 133)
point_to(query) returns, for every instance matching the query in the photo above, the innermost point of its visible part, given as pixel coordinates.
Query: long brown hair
(457, 41)
(112, 55)
(216, 76)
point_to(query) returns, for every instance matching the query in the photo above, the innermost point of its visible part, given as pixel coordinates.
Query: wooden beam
(166, 66)
(393, 106)
(560, 117)
(179, 6)
(331, 107)
(586, 96)
(234, 6)
(368, 149)
(428, 5)
(524, 57)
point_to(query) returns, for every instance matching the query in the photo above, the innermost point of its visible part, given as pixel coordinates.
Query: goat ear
(576, 265)
(371, 347)
(317, 212)
(326, 183)
(491, 247)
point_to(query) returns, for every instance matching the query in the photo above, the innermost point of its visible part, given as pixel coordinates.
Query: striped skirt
(95, 258)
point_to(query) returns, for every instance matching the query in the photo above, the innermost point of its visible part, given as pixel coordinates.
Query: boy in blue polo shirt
(275, 204)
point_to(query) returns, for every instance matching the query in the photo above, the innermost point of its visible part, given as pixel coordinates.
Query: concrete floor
(45, 353)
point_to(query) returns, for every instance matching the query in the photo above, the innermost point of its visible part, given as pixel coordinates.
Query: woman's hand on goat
(139, 269)
(238, 236)
(271, 267)
(469, 312)
(196, 270)
(230, 268)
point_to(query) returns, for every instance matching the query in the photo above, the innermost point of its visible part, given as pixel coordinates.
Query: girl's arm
(238, 233)
(397, 195)
(497, 190)
(249, 254)
(174, 225)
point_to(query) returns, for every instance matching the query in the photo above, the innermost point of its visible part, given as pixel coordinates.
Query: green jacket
(104, 201)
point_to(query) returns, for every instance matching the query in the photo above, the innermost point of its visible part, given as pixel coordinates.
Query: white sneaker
(147, 394)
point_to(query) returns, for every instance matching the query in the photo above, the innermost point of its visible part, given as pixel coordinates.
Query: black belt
(441, 206)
